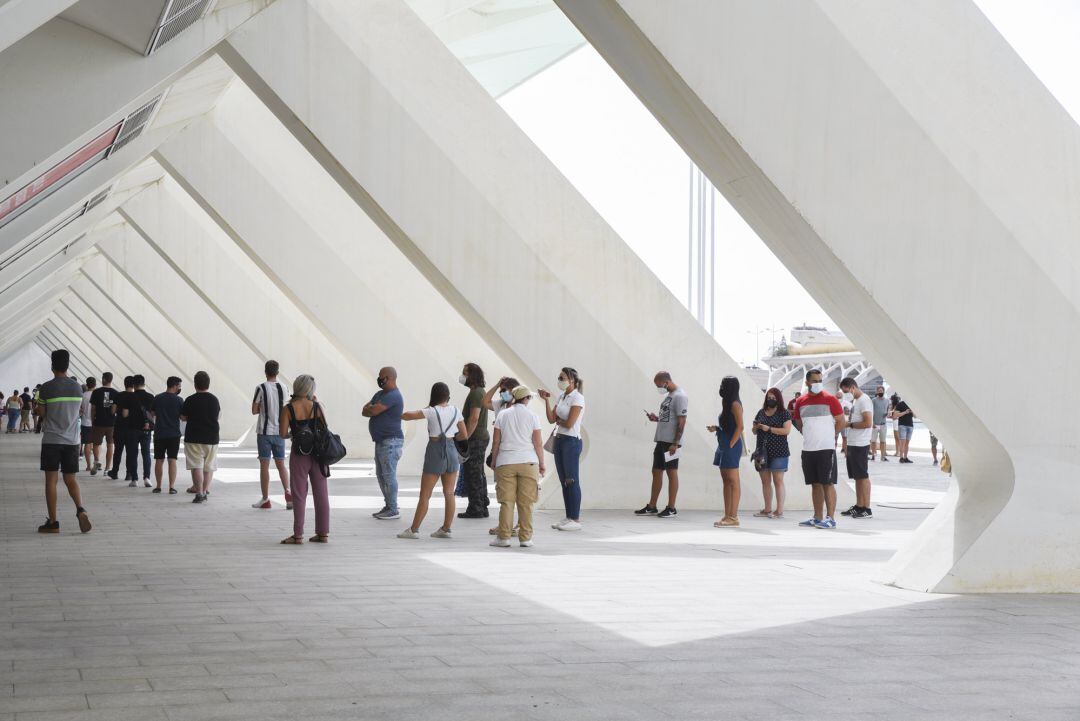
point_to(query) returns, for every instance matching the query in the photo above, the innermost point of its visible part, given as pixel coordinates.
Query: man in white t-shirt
(267, 405)
(86, 425)
(860, 429)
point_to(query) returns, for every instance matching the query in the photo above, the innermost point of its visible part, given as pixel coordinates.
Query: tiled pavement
(168, 610)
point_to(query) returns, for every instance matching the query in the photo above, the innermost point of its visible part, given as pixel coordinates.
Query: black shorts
(858, 462)
(85, 434)
(166, 446)
(820, 467)
(659, 462)
(60, 457)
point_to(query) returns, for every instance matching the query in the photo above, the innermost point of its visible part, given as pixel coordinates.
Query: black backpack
(303, 437)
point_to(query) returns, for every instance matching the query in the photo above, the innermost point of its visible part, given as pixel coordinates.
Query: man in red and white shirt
(819, 417)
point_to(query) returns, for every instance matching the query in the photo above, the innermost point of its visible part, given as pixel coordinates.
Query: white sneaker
(560, 524)
(526, 544)
(570, 526)
(408, 533)
(500, 543)
(264, 503)
(440, 533)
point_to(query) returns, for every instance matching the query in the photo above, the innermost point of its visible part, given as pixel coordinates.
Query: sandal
(726, 523)
(291, 541)
(777, 514)
(320, 538)
(763, 514)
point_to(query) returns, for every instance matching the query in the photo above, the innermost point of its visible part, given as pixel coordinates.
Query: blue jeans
(387, 455)
(567, 455)
(13, 418)
(270, 446)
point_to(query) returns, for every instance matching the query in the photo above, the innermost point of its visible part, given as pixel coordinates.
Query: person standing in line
(793, 401)
(267, 403)
(476, 426)
(566, 414)
(846, 401)
(517, 452)
(860, 423)
(670, 424)
(881, 413)
(14, 410)
(905, 427)
(27, 407)
(894, 425)
(819, 417)
(298, 420)
(729, 449)
(120, 428)
(772, 424)
(140, 426)
(441, 461)
(58, 406)
(102, 417)
(384, 411)
(933, 447)
(86, 425)
(496, 399)
(202, 411)
(165, 412)
(34, 403)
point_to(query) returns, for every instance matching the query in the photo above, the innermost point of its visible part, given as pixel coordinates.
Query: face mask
(770, 403)
(661, 390)
(381, 382)
(506, 397)
(563, 385)
(815, 388)
(462, 380)
(849, 396)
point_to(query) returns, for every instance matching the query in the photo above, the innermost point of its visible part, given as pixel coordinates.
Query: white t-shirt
(516, 425)
(266, 395)
(86, 420)
(562, 411)
(860, 436)
(440, 417)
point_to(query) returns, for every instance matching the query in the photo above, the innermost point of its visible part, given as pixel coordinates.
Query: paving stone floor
(169, 610)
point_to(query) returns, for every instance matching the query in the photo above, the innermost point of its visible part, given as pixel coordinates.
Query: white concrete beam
(19, 18)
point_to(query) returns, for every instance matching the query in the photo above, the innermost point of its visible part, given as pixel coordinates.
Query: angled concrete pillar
(857, 140)
(58, 335)
(510, 244)
(92, 346)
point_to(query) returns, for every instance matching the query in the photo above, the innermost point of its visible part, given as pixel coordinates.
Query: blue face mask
(506, 397)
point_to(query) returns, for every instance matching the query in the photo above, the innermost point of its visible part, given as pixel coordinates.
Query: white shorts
(200, 456)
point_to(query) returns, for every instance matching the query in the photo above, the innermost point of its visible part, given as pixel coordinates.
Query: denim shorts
(905, 432)
(270, 445)
(778, 464)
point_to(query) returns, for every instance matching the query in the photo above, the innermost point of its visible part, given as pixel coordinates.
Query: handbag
(328, 448)
(946, 463)
(760, 459)
(549, 444)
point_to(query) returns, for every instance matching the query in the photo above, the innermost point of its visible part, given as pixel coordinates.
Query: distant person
(846, 401)
(441, 461)
(933, 448)
(298, 421)
(27, 408)
(140, 427)
(566, 414)
(267, 403)
(881, 416)
(475, 411)
(729, 449)
(103, 417)
(894, 426)
(86, 426)
(818, 416)
(772, 424)
(860, 424)
(166, 410)
(120, 428)
(670, 424)
(384, 424)
(793, 401)
(59, 401)
(14, 410)
(201, 411)
(518, 456)
(35, 400)
(905, 427)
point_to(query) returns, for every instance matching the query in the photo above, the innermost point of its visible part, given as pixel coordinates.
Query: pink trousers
(303, 469)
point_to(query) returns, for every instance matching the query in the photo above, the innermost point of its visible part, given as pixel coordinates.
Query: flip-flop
(292, 541)
(763, 514)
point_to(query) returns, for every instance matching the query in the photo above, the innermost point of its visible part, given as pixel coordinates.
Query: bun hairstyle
(572, 375)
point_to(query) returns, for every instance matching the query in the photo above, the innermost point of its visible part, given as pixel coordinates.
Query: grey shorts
(441, 457)
(905, 432)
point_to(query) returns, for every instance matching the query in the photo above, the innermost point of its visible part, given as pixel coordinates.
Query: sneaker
(156, 490)
(84, 520)
(500, 543)
(441, 533)
(172, 491)
(133, 484)
(409, 533)
(667, 513)
(472, 514)
(95, 469)
(849, 511)
(646, 511)
(114, 476)
(199, 498)
(863, 513)
(827, 523)
(809, 523)
(934, 463)
(526, 544)
(146, 482)
(570, 526)
(54, 527)
(388, 515)
(884, 459)
(264, 504)
(906, 460)
(559, 524)
(379, 512)
(288, 500)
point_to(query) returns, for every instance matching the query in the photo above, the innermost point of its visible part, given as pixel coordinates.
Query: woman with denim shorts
(772, 426)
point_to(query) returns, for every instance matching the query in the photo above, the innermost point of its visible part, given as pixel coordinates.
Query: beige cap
(520, 392)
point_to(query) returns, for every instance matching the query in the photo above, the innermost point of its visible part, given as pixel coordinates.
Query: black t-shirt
(202, 411)
(140, 403)
(103, 401)
(909, 419)
(120, 402)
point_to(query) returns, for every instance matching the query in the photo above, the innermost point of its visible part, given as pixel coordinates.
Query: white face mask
(506, 397)
(815, 388)
(661, 390)
(462, 380)
(563, 385)
(849, 396)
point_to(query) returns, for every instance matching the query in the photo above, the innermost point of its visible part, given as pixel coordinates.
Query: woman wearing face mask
(729, 449)
(566, 415)
(473, 482)
(772, 426)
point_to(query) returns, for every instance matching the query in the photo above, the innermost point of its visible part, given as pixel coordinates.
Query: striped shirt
(269, 396)
(62, 398)
(816, 412)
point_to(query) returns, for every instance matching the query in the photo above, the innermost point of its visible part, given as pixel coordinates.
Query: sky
(581, 114)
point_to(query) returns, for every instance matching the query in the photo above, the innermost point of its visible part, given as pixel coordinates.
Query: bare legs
(51, 477)
(772, 482)
(264, 475)
(658, 485)
(159, 465)
(824, 495)
(427, 485)
(200, 479)
(862, 492)
(781, 492)
(732, 492)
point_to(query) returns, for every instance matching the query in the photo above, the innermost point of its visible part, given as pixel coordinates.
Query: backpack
(303, 437)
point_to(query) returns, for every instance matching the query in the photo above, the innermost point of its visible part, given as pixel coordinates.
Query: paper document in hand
(668, 456)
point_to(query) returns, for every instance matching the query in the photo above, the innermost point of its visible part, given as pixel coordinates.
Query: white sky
(619, 157)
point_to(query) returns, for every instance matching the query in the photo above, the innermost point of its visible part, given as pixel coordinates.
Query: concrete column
(93, 346)
(426, 152)
(912, 172)
(58, 335)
